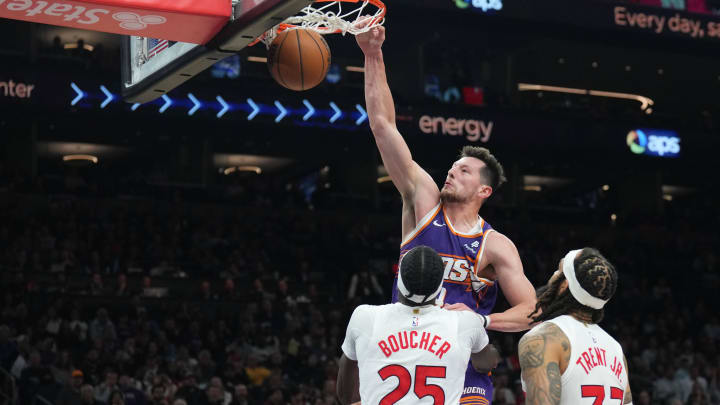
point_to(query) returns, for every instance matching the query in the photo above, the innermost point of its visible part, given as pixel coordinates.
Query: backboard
(152, 67)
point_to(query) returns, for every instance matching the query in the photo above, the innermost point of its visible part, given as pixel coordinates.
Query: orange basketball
(298, 59)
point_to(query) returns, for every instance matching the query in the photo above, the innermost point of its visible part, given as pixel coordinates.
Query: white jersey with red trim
(410, 355)
(596, 371)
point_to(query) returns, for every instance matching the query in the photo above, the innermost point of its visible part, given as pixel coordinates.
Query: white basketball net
(332, 17)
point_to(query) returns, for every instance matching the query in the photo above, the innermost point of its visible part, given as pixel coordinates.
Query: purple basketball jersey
(461, 255)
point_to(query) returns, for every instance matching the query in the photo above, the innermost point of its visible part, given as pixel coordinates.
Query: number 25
(422, 388)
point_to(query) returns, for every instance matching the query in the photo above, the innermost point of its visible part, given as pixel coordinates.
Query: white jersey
(596, 371)
(410, 355)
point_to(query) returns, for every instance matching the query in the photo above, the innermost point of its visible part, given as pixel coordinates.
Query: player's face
(464, 181)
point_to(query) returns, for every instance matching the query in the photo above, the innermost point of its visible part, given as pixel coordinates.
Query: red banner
(195, 21)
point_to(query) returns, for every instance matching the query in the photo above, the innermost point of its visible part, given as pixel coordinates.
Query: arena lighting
(606, 187)
(383, 179)
(667, 197)
(260, 59)
(645, 102)
(359, 69)
(675, 191)
(267, 163)
(73, 45)
(541, 182)
(90, 158)
(230, 170)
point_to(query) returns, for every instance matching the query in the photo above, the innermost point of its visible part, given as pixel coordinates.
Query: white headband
(576, 289)
(418, 299)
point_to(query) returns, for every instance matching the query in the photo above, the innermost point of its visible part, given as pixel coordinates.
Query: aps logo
(483, 5)
(654, 142)
(637, 141)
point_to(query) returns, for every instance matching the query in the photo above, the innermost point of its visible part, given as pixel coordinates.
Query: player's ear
(484, 191)
(563, 287)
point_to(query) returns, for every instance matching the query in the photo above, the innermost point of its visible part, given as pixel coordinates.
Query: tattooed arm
(544, 354)
(628, 393)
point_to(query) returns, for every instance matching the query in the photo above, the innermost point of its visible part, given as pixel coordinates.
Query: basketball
(298, 59)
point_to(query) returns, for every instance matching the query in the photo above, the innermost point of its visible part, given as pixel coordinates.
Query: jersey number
(598, 392)
(422, 388)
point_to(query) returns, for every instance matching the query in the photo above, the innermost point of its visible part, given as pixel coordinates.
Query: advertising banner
(597, 14)
(177, 20)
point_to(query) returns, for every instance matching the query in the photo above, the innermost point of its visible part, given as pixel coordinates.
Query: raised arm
(540, 352)
(504, 258)
(408, 177)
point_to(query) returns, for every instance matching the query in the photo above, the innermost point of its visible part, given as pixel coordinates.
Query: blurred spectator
(70, 395)
(97, 286)
(102, 326)
(87, 396)
(240, 396)
(117, 398)
(104, 389)
(129, 392)
(8, 348)
(365, 286)
(501, 392)
(189, 390)
(158, 396)
(122, 287)
(256, 372)
(78, 326)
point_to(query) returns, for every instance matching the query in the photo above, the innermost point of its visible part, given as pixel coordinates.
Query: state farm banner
(177, 20)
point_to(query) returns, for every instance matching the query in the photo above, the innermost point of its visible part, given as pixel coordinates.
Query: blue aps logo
(483, 5)
(654, 142)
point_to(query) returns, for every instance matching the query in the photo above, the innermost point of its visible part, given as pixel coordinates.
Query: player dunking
(568, 359)
(477, 258)
(411, 351)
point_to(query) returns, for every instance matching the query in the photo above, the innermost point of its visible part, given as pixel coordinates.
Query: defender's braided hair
(594, 273)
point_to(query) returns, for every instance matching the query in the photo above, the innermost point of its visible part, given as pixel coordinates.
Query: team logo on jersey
(415, 321)
(474, 251)
(436, 223)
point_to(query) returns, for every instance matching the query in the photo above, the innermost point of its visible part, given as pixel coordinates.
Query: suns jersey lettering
(456, 269)
(460, 254)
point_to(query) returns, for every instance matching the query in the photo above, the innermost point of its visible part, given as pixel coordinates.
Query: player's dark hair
(493, 170)
(422, 272)
(594, 273)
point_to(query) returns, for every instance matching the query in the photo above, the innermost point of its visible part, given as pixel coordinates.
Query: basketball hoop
(331, 17)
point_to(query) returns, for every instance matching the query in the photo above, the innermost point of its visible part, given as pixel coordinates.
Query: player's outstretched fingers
(362, 21)
(457, 307)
